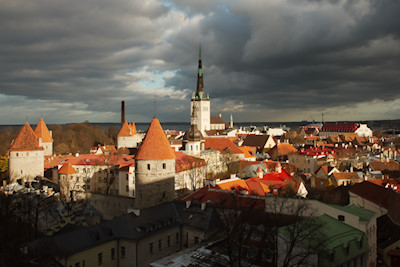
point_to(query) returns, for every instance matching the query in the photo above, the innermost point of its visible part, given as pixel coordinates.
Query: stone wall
(26, 164)
(154, 182)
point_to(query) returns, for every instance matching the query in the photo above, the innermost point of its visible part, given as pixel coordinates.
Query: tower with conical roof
(26, 155)
(43, 132)
(154, 169)
(200, 103)
(127, 136)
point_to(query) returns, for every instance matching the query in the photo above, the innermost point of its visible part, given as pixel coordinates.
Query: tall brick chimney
(122, 112)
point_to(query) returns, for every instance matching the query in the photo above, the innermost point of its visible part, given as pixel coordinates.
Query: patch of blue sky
(156, 80)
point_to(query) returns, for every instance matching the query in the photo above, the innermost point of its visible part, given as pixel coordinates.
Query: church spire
(200, 84)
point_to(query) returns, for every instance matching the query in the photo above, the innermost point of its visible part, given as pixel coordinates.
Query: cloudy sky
(264, 60)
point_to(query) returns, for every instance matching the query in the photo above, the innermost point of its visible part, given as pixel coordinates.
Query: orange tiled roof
(127, 129)
(345, 175)
(102, 160)
(221, 144)
(282, 149)
(186, 162)
(52, 161)
(155, 145)
(249, 152)
(26, 140)
(67, 169)
(41, 131)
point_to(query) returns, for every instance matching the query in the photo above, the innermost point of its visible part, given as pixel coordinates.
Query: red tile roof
(222, 198)
(155, 145)
(41, 131)
(339, 127)
(26, 140)
(53, 161)
(186, 162)
(222, 144)
(127, 129)
(67, 169)
(102, 160)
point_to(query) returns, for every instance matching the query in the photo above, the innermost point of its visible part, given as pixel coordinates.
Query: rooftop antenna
(26, 118)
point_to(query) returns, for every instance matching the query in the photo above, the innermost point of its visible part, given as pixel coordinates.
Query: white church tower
(200, 103)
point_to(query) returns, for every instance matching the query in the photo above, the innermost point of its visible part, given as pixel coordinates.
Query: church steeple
(200, 83)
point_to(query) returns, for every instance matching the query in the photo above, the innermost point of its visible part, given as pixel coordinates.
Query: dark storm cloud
(286, 56)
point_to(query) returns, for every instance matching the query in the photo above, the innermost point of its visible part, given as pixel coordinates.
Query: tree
(251, 231)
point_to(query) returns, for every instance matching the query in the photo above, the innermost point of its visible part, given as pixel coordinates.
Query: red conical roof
(155, 145)
(67, 169)
(26, 140)
(41, 131)
(127, 129)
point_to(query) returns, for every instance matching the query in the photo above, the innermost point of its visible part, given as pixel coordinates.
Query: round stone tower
(154, 169)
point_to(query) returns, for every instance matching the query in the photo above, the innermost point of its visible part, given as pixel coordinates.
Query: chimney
(260, 172)
(122, 112)
(278, 167)
(220, 115)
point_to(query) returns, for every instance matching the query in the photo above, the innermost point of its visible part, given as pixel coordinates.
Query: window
(113, 253)
(83, 263)
(122, 252)
(341, 218)
(88, 187)
(151, 248)
(148, 166)
(127, 188)
(164, 166)
(169, 241)
(77, 179)
(159, 244)
(196, 240)
(16, 154)
(100, 258)
(77, 264)
(127, 177)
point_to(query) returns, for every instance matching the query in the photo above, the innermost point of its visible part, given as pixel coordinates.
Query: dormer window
(341, 218)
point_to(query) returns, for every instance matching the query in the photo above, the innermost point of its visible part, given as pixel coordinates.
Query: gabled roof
(282, 149)
(127, 129)
(41, 131)
(255, 140)
(67, 169)
(216, 120)
(222, 144)
(26, 140)
(155, 145)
